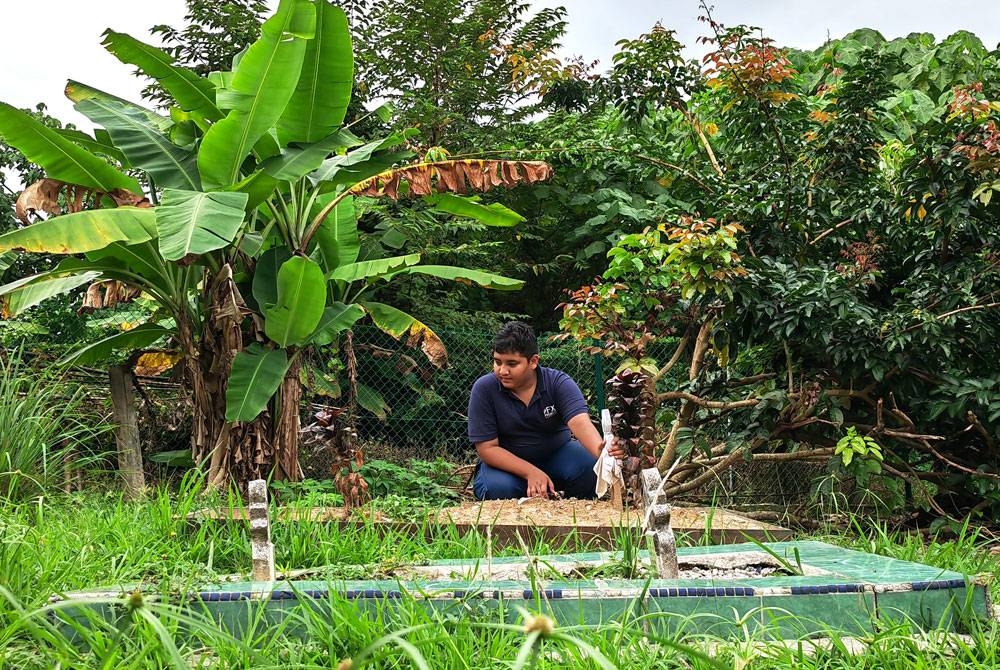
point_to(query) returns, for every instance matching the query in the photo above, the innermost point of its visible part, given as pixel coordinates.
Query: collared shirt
(533, 431)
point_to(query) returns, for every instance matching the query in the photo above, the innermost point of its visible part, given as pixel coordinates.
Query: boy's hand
(539, 484)
(616, 450)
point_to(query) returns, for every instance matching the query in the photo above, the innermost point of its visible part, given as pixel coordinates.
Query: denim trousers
(571, 469)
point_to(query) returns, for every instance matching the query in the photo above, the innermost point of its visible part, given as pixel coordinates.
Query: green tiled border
(854, 592)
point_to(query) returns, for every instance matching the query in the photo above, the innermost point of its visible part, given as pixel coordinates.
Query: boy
(521, 417)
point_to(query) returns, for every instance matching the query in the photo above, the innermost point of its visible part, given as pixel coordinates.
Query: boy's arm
(584, 431)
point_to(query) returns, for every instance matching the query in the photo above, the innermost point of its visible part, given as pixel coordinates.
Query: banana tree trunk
(242, 451)
(286, 425)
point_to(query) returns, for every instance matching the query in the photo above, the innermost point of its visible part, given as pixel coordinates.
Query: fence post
(599, 380)
(126, 432)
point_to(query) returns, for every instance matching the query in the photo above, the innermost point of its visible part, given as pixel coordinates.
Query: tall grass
(60, 543)
(42, 424)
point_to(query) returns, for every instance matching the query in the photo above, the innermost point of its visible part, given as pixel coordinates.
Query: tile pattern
(842, 590)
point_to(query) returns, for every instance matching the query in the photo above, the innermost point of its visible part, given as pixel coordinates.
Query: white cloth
(608, 468)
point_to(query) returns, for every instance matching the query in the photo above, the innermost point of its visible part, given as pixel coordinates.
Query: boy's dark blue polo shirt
(533, 431)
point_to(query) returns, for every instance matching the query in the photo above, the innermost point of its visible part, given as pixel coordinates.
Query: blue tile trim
(940, 584)
(223, 596)
(701, 592)
(368, 594)
(458, 595)
(545, 594)
(826, 588)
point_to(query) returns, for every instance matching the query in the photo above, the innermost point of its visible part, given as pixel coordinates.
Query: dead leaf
(453, 176)
(107, 293)
(429, 343)
(43, 196)
(153, 363)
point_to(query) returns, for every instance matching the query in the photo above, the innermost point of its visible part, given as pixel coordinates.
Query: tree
(248, 240)
(475, 68)
(862, 177)
(214, 34)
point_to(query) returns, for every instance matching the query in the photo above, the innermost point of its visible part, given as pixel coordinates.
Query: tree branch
(681, 346)
(828, 231)
(953, 312)
(708, 404)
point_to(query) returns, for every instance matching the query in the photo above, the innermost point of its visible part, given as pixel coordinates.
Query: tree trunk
(688, 408)
(235, 452)
(127, 432)
(286, 425)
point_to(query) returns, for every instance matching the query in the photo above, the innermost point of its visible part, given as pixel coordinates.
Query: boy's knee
(493, 484)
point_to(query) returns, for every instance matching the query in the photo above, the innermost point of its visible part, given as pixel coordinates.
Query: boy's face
(515, 371)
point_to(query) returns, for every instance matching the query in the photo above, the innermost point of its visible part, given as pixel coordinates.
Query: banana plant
(245, 235)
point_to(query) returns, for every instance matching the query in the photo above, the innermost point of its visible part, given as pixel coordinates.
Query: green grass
(65, 543)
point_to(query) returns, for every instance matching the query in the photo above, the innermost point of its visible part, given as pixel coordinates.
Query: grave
(786, 589)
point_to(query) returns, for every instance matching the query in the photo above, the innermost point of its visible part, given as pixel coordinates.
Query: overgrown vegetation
(50, 429)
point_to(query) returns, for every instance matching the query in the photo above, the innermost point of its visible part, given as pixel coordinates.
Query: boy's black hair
(516, 337)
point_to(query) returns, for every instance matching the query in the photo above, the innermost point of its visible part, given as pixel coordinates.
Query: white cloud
(46, 42)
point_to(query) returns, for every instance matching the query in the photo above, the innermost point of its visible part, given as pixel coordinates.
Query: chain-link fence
(409, 409)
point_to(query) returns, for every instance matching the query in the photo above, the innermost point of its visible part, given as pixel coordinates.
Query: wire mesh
(423, 409)
(410, 409)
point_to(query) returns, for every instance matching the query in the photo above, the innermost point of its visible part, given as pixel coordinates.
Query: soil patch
(531, 513)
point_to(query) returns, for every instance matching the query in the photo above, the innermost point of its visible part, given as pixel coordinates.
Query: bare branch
(970, 308)
(681, 346)
(829, 230)
(708, 404)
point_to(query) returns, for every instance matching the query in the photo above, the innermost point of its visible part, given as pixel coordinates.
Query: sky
(46, 42)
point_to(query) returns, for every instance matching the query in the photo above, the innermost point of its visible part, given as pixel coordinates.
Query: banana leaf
(299, 160)
(491, 215)
(263, 84)
(83, 231)
(337, 241)
(256, 375)
(373, 269)
(301, 300)
(466, 276)
(322, 94)
(191, 92)
(336, 319)
(265, 275)
(143, 145)
(92, 144)
(193, 222)
(60, 157)
(79, 92)
(19, 295)
(398, 323)
(136, 338)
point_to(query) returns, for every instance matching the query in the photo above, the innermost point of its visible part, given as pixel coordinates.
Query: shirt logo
(549, 411)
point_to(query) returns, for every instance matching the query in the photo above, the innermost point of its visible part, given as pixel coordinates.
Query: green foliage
(861, 451)
(267, 174)
(453, 67)
(648, 74)
(861, 176)
(423, 483)
(213, 35)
